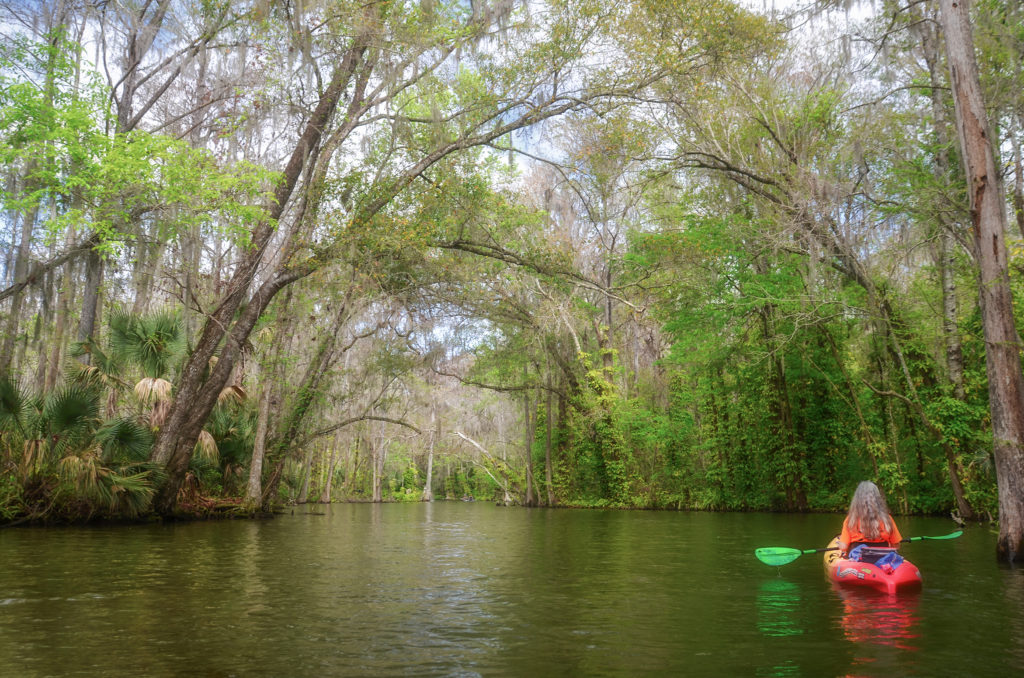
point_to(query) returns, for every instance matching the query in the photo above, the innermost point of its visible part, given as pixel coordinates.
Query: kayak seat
(870, 553)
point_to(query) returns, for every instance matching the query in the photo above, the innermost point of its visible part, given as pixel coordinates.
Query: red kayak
(903, 577)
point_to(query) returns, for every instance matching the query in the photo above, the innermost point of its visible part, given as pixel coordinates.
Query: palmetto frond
(111, 490)
(103, 370)
(124, 440)
(153, 342)
(153, 389)
(206, 447)
(12, 406)
(72, 409)
(158, 415)
(234, 430)
(232, 394)
(131, 494)
(83, 471)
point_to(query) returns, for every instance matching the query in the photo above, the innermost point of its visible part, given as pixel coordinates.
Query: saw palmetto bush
(69, 461)
(232, 432)
(83, 448)
(155, 345)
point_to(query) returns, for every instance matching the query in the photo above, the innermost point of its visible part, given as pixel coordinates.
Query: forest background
(651, 254)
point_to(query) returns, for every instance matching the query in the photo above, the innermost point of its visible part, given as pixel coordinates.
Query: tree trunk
(21, 264)
(352, 468)
(529, 500)
(377, 458)
(428, 491)
(1018, 176)
(950, 326)
(151, 260)
(58, 332)
(254, 490)
(91, 301)
(43, 321)
(1002, 350)
(195, 397)
(307, 474)
(547, 447)
(7, 275)
(325, 496)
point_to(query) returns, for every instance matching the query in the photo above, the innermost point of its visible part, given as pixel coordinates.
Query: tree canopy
(634, 254)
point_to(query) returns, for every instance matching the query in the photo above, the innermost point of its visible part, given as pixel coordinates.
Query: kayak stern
(856, 573)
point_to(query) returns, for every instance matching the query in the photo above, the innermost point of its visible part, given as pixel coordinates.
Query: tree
(988, 231)
(385, 57)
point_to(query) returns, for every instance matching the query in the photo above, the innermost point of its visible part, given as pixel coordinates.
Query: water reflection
(874, 619)
(778, 616)
(460, 589)
(1013, 583)
(778, 602)
(883, 629)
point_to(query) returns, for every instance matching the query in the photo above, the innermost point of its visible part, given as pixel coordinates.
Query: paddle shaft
(782, 556)
(951, 535)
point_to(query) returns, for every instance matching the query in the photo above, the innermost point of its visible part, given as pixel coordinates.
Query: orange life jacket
(853, 535)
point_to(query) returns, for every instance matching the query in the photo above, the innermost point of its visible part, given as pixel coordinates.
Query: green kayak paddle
(772, 555)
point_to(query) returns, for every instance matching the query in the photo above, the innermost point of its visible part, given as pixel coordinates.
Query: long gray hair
(868, 509)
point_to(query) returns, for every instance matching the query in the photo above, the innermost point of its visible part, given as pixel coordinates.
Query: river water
(463, 589)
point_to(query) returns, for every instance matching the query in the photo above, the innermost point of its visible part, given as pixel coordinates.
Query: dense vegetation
(641, 254)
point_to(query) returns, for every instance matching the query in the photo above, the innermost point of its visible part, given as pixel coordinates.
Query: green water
(458, 589)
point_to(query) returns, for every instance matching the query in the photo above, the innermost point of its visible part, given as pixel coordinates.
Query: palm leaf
(12, 406)
(130, 494)
(85, 473)
(103, 370)
(154, 342)
(70, 415)
(111, 490)
(234, 394)
(153, 389)
(206, 448)
(124, 440)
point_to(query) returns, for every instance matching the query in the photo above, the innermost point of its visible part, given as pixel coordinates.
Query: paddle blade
(777, 555)
(951, 535)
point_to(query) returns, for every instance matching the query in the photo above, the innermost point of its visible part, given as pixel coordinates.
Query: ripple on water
(458, 589)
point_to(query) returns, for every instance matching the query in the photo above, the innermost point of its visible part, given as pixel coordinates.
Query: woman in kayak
(868, 521)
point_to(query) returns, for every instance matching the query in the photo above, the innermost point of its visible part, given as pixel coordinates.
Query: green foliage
(11, 504)
(409, 486)
(69, 418)
(12, 406)
(53, 127)
(124, 439)
(61, 457)
(79, 463)
(155, 343)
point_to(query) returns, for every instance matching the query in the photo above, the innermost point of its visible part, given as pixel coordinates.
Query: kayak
(904, 577)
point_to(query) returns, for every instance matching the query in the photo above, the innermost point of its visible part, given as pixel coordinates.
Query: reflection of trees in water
(1013, 584)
